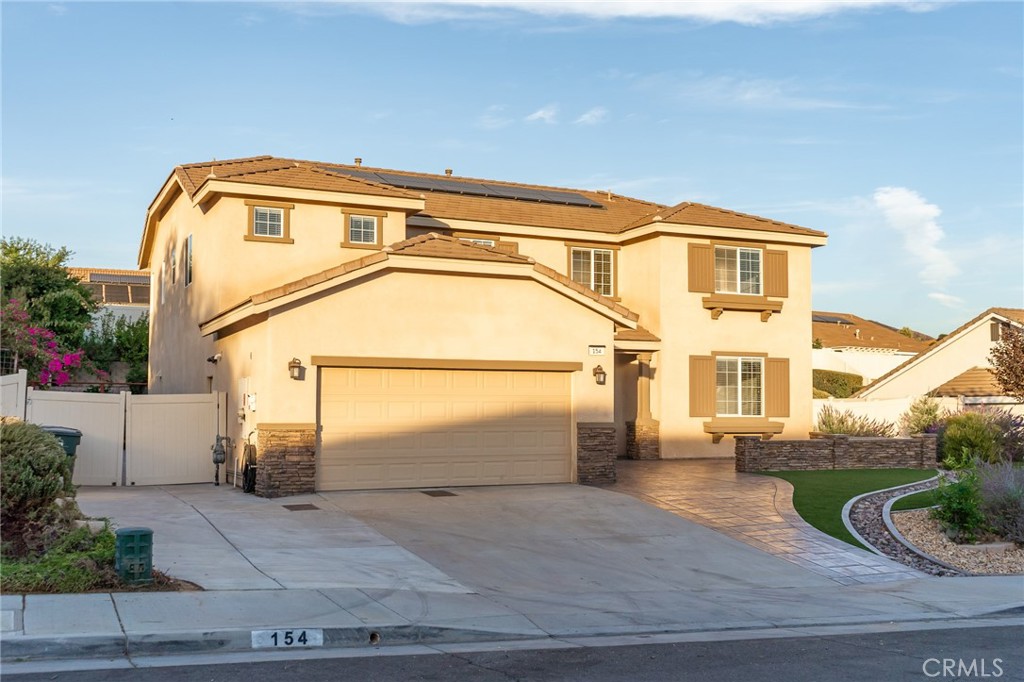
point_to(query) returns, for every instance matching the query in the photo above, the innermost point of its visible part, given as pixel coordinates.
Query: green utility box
(69, 438)
(133, 554)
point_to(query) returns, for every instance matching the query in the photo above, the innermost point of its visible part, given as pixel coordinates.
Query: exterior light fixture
(295, 369)
(600, 375)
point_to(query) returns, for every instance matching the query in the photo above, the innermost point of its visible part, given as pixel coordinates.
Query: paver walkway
(756, 510)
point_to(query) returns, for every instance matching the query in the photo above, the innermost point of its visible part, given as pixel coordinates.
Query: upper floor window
(269, 221)
(480, 242)
(593, 268)
(737, 270)
(362, 228)
(187, 261)
(739, 387)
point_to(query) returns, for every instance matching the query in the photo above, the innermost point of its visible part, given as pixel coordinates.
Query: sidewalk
(538, 563)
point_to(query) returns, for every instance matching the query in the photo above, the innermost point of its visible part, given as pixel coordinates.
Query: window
(269, 221)
(174, 267)
(739, 387)
(593, 269)
(481, 242)
(188, 261)
(737, 270)
(362, 229)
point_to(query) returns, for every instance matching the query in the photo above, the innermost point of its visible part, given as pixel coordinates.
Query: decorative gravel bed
(926, 534)
(866, 517)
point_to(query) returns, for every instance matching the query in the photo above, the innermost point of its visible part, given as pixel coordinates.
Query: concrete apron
(487, 564)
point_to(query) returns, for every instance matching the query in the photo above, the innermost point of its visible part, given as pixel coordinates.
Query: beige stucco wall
(421, 316)
(969, 349)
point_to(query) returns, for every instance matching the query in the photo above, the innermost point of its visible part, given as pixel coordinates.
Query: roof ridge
(397, 247)
(378, 185)
(252, 171)
(226, 162)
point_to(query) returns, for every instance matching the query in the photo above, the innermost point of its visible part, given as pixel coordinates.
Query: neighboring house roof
(112, 286)
(846, 330)
(543, 206)
(430, 245)
(1011, 315)
(976, 382)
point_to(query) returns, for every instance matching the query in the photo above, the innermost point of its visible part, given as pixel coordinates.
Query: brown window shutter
(702, 386)
(701, 266)
(776, 382)
(776, 273)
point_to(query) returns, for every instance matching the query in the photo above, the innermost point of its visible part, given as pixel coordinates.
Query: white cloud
(747, 12)
(593, 116)
(492, 118)
(547, 114)
(947, 300)
(916, 220)
(758, 93)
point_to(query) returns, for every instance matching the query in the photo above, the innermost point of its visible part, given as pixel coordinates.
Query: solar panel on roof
(478, 189)
(118, 279)
(831, 319)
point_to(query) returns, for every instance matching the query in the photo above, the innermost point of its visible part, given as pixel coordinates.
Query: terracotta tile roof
(433, 245)
(616, 214)
(690, 213)
(871, 334)
(1015, 314)
(975, 382)
(83, 273)
(638, 334)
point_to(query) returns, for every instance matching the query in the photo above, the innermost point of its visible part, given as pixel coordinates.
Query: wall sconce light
(600, 375)
(295, 369)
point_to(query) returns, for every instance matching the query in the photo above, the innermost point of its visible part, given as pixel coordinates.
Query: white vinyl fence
(12, 394)
(135, 439)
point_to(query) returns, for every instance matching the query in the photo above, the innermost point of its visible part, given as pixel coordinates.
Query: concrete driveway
(556, 559)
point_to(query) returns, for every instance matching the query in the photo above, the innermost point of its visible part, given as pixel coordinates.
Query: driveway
(756, 510)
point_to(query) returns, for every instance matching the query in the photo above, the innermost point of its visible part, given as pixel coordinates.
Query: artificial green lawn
(819, 496)
(925, 498)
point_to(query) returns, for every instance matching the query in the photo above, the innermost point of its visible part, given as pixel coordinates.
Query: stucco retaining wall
(835, 452)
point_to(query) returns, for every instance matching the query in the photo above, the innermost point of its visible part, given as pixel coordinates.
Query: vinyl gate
(135, 439)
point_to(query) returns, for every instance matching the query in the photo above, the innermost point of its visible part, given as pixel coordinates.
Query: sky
(895, 127)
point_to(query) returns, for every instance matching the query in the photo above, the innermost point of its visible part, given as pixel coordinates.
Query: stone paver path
(756, 510)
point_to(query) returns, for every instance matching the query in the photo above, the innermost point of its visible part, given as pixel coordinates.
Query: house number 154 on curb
(284, 639)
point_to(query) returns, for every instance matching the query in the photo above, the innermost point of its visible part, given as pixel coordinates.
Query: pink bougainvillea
(34, 348)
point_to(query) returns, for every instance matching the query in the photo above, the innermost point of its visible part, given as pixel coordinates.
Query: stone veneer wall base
(643, 439)
(595, 453)
(835, 452)
(285, 459)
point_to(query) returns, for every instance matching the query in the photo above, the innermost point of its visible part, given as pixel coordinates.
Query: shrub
(1001, 491)
(832, 420)
(819, 394)
(969, 436)
(34, 473)
(1011, 433)
(959, 508)
(838, 384)
(77, 563)
(922, 414)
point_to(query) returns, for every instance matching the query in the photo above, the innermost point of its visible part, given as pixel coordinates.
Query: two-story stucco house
(379, 328)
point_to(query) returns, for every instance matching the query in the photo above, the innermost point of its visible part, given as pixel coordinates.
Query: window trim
(285, 209)
(350, 212)
(761, 359)
(591, 246)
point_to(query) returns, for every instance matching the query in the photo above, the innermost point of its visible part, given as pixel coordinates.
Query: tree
(36, 275)
(33, 348)
(1007, 360)
(115, 339)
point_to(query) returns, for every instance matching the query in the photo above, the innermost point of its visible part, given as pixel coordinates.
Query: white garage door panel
(393, 428)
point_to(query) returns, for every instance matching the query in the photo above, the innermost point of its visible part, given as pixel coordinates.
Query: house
(379, 328)
(955, 366)
(845, 342)
(125, 293)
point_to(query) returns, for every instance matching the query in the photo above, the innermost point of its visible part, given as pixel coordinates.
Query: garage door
(404, 428)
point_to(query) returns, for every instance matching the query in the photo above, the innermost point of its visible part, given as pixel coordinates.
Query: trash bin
(69, 438)
(133, 554)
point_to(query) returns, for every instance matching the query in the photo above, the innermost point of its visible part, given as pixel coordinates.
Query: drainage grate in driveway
(439, 493)
(300, 507)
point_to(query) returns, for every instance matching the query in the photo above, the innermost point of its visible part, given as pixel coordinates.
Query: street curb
(39, 648)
